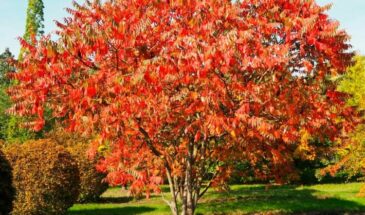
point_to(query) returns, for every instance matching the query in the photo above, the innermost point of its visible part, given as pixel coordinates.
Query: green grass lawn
(242, 199)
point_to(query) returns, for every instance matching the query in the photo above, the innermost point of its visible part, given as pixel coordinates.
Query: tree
(5, 103)
(351, 152)
(34, 22)
(5, 67)
(35, 17)
(352, 83)
(11, 129)
(184, 89)
(10, 126)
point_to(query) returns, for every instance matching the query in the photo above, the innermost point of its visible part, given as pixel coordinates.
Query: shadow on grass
(108, 200)
(280, 199)
(113, 211)
(165, 189)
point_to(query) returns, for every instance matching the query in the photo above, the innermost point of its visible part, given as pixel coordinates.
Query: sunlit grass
(242, 199)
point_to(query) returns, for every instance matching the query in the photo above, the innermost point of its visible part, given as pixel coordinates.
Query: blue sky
(350, 13)
(12, 19)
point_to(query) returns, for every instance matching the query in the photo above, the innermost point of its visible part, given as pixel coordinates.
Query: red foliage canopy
(188, 87)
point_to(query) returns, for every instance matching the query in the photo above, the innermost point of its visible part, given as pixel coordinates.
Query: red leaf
(308, 65)
(90, 91)
(197, 137)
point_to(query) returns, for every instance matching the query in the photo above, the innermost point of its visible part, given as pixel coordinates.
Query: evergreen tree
(35, 17)
(10, 126)
(5, 103)
(14, 131)
(34, 24)
(5, 67)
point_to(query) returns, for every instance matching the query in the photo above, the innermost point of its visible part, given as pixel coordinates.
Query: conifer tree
(35, 17)
(34, 23)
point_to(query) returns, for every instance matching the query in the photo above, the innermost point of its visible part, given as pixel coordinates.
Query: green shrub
(46, 178)
(7, 191)
(92, 184)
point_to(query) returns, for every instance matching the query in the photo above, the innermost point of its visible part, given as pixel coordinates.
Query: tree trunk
(184, 187)
(173, 203)
(190, 206)
(188, 202)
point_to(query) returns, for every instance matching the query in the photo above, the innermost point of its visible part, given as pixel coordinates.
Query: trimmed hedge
(46, 178)
(92, 182)
(7, 191)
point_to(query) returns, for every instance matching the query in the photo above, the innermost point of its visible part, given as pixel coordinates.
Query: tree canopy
(353, 83)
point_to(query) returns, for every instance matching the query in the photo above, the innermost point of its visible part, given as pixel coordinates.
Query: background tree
(185, 89)
(34, 22)
(5, 102)
(10, 126)
(351, 152)
(353, 83)
(12, 130)
(5, 67)
(35, 18)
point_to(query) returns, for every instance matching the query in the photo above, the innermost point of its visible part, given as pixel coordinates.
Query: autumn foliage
(46, 178)
(351, 151)
(92, 182)
(183, 89)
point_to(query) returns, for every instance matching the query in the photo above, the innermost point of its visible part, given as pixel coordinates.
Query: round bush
(7, 191)
(46, 178)
(92, 183)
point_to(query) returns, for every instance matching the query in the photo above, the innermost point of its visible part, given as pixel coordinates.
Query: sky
(350, 13)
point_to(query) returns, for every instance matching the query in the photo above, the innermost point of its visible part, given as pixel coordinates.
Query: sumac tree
(186, 88)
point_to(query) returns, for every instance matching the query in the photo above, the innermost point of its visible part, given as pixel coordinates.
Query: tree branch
(208, 186)
(149, 142)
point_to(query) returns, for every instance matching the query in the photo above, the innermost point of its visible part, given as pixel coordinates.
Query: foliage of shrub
(46, 178)
(92, 183)
(7, 191)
